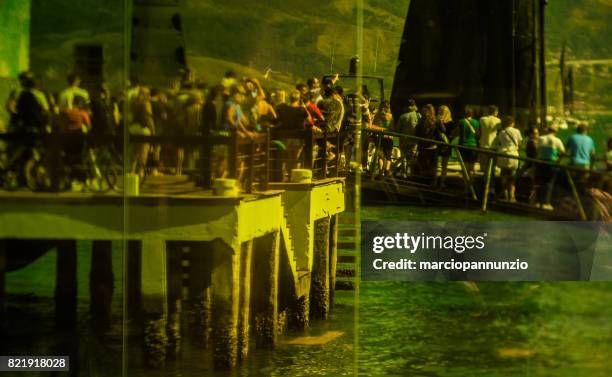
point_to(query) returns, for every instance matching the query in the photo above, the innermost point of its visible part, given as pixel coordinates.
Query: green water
(486, 329)
(404, 329)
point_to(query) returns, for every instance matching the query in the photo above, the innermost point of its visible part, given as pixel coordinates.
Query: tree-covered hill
(295, 39)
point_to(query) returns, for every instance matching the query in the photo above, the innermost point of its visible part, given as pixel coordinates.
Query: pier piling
(264, 294)
(200, 294)
(225, 300)
(333, 253)
(133, 277)
(154, 301)
(245, 298)
(2, 279)
(66, 284)
(101, 284)
(175, 279)
(319, 288)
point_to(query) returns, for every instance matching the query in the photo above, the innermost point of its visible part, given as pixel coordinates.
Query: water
(404, 329)
(484, 329)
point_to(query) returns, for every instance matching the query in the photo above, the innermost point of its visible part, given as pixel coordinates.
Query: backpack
(31, 116)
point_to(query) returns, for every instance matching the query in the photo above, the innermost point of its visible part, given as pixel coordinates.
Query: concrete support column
(245, 299)
(133, 276)
(200, 293)
(319, 286)
(333, 258)
(225, 304)
(66, 284)
(175, 280)
(264, 293)
(3, 263)
(101, 284)
(154, 301)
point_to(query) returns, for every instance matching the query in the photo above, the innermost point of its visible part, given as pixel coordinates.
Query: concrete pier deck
(257, 263)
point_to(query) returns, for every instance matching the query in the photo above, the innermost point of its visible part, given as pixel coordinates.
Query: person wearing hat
(550, 149)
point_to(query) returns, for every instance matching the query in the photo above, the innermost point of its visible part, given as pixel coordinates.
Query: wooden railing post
(206, 164)
(466, 174)
(233, 151)
(379, 137)
(324, 172)
(251, 164)
(487, 184)
(263, 183)
(339, 151)
(308, 163)
(576, 196)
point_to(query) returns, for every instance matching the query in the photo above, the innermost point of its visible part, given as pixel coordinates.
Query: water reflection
(488, 329)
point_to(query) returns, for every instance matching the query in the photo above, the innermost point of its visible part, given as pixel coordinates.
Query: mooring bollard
(301, 176)
(225, 187)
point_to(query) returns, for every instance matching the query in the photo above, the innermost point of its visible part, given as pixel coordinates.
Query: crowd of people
(426, 154)
(242, 106)
(187, 107)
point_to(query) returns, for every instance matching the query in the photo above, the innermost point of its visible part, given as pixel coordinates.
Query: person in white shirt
(66, 97)
(508, 141)
(489, 125)
(550, 149)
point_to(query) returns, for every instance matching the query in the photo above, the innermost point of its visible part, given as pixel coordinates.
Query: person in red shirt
(76, 122)
(315, 115)
(76, 119)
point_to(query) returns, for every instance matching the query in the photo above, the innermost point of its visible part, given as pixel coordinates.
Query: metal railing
(492, 155)
(321, 142)
(246, 157)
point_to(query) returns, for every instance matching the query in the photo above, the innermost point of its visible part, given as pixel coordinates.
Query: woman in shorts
(507, 142)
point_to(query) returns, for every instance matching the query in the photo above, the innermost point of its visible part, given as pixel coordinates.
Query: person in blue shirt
(580, 147)
(581, 151)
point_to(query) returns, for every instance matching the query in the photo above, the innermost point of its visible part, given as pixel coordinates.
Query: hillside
(294, 39)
